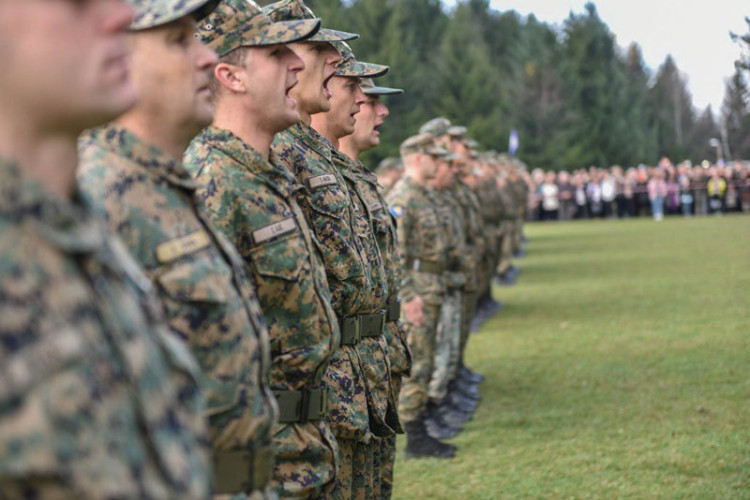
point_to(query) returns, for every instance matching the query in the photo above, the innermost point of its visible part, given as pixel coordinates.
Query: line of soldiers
(202, 297)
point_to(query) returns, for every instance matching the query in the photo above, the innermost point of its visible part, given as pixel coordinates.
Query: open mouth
(289, 98)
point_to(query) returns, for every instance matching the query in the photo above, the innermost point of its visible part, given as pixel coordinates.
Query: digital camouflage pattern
(351, 67)
(245, 196)
(97, 398)
(420, 238)
(242, 23)
(373, 352)
(149, 199)
(289, 10)
(324, 200)
(153, 13)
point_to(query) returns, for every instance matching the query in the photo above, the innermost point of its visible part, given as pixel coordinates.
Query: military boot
(419, 444)
(451, 414)
(461, 402)
(437, 427)
(471, 376)
(466, 389)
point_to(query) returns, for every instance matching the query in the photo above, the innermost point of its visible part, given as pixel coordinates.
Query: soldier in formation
(224, 300)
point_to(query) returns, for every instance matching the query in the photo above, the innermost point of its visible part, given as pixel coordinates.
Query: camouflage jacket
(384, 228)
(421, 239)
(325, 201)
(373, 351)
(149, 199)
(97, 397)
(451, 217)
(474, 227)
(253, 202)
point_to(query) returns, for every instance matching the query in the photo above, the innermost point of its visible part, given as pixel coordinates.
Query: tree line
(573, 95)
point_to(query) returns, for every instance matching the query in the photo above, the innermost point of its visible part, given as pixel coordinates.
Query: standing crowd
(640, 191)
(203, 290)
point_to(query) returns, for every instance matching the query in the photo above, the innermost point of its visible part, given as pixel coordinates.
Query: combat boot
(419, 444)
(472, 376)
(437, 427)
(465, 389)
(452, 415)
(461, 402)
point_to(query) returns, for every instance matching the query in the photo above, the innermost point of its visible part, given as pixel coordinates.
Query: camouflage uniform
(357, 298)
(422, 242)
(97, 398)
(448, 341)
(505, 249)
(253, 201)
(150, 200)
(521, 198)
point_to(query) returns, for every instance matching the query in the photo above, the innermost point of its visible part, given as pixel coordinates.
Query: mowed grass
(620, 367)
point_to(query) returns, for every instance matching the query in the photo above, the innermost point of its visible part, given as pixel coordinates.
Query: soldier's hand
(414, 311)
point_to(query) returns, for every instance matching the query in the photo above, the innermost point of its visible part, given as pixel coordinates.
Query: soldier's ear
(230, 77)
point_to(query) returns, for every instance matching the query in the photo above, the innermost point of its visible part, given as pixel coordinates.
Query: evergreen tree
(736, 115)
(674, 111)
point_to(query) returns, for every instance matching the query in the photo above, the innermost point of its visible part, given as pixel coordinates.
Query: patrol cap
(369, 88)
(349, 66)
(153, 13)
(290, 10)
(422, 143)
(471, 143)
(437, 127)
(388, 164)
(457, 132)
(242, 23)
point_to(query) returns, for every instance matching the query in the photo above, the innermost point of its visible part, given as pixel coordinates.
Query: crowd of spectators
(640, 191)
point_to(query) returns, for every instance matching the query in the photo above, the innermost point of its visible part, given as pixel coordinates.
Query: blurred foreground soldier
(97, 398)
(356, 293)
(520, 190)
(336, 123)
(366, 135)
(251, 198)
(422, 243)
(132, 173)
(389, 171)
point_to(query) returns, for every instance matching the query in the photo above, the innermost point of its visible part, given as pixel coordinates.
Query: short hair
(236, 57)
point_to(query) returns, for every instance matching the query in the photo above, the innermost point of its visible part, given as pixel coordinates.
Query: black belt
(242, 471)
(393, 309)
(303, 405)
(425, 266)
(354, 328)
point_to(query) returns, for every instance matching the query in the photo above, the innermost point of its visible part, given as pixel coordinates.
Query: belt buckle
(351, 322)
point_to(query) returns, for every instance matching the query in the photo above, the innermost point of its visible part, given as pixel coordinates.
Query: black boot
(471, 376)
(437, 427)
(461, 402)
(452, 415)
(468, 390)
(419, 444)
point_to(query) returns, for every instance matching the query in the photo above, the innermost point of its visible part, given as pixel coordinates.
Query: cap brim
(198, 9)
(329, 35)
(292, 31)
(382, 91)
(354, 68)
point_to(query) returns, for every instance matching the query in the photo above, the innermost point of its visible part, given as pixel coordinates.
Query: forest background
(574, 97)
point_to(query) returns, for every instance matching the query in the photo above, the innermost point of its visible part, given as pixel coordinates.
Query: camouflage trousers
(517, 232)
(421, 340)
(305, 464)
(354, 479)
(468, 308)
(447, 345)
(506, 248)
(387, 452)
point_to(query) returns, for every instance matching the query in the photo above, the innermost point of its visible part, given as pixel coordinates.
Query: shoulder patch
(397, 211)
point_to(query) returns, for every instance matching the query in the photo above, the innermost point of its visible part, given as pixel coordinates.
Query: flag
(513, 142)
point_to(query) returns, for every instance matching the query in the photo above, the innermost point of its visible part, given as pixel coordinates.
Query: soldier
(148, 197)
(521, 197)
(388, 172)
(251, 197)
(422, 244)
(366, 136)
(355, 415)
(97, 398)
(334, 124)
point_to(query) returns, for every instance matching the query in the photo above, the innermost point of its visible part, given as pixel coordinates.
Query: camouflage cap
(457, 132)
(153, 13)
(290, 10)
(422, 143)
(388, 164)
(242, 23)
(349, 66)
(437, 127)
(369, 88)
(471, 143)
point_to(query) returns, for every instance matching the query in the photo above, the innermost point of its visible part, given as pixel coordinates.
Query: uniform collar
(312, 139)
(158, 162)
(65, 224)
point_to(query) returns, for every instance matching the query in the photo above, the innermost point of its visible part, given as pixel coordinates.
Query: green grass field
(619, 368)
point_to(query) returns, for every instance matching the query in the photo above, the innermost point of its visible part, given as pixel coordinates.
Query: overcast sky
(695, 32)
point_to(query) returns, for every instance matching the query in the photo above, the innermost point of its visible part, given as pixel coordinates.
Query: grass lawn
(620, 367)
